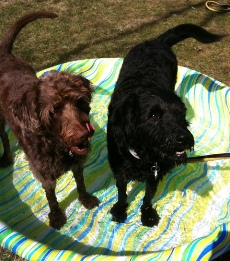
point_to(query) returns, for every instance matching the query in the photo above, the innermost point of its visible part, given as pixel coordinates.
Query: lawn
(89, 29)
(109, 28)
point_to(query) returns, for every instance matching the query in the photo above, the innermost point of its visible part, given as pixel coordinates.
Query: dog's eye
(83, 105)
(155, 117)
(56, 109)
(155, 113)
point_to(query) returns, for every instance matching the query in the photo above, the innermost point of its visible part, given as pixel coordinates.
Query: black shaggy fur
(147, 130)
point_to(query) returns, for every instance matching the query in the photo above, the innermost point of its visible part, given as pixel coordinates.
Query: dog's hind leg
(149, 216)
(56, 216)
(87, 200)
(6, 158)
(118, 210)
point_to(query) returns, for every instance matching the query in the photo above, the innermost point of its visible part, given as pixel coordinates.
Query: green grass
(109, 28)
(89, 29)
(6, 255)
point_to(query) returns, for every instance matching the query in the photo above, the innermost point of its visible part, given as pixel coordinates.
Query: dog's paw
(57, 219)
(119, 212)
(89, 201)
(149, 216)
(5, 161)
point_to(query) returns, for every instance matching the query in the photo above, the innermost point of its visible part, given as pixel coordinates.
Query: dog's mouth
(82, 147)
(79, 149)
(180, 154)
(180, 157)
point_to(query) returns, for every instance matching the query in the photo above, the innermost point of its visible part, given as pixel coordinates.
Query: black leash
(211, 157)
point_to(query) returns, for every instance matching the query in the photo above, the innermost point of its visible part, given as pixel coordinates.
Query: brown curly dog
(50, 118)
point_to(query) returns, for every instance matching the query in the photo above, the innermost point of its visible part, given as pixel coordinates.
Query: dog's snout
(83, 136)
(184, 138)
(181, 138)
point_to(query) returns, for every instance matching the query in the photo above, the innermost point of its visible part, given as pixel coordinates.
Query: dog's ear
(24, 112)
(48, 99)
(45, 114)
(84, 86)
(125, 116)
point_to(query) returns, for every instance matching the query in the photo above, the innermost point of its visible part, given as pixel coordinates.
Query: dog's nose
(181, 138)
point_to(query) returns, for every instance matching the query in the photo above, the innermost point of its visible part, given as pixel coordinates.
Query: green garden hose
(217, 7)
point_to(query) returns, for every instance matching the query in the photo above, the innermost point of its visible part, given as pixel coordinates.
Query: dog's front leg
(118, 210)
(149, 216)
(87, 200)
(56, 216)
(6, 158)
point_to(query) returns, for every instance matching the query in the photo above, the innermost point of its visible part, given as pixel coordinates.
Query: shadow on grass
(67, 55)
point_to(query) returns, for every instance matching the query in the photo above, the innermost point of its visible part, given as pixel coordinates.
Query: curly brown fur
(147, 131)
(50, 118)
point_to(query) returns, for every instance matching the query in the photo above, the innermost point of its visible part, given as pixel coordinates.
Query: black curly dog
(147, 131)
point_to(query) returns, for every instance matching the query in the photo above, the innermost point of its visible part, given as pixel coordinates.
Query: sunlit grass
(89, 29)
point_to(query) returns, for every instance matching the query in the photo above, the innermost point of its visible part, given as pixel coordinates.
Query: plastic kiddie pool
(193, 200)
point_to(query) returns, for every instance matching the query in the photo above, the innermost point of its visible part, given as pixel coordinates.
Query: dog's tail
(9, 38)
(184, 31)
